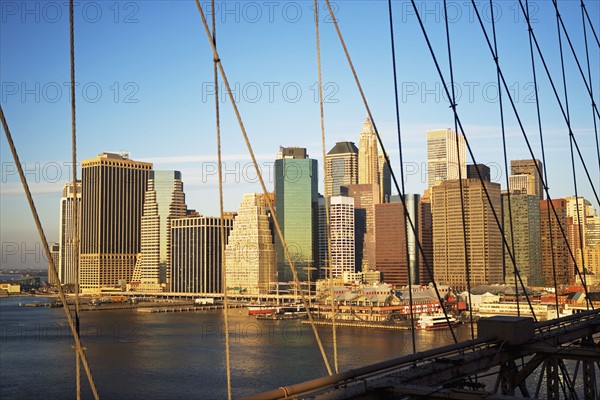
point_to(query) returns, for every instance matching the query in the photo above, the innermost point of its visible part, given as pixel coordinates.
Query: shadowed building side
(196, 265)
(113, 188)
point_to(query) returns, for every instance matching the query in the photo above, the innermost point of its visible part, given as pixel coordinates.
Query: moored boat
(437, 321)
(255, 309)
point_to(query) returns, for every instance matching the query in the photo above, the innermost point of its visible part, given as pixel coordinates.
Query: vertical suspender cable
(525, 134)
(545, 170)
(587, 57)
(460, 177)
(327, 194)
(387, 159)
(501, 104)
(53, 269)
(409, 274)
(74, 207)
(446, 90)
(263, 187)
(223, 238)
(571, 139)
(557, 97)
(590, 22)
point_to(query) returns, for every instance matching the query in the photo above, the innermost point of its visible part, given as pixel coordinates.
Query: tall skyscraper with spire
(368, 155)
(445, 157)
(67, 254)
(164, 201)
(250, 253)
(112, 204)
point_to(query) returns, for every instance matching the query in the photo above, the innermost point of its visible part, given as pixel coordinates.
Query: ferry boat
(255, 309)
(282, 316)
(437, 321)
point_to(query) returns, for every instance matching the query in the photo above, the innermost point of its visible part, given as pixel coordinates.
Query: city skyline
(35, 98)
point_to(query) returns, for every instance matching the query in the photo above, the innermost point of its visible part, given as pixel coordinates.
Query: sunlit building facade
(112, 204)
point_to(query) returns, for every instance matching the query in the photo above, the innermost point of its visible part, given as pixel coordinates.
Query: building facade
(484, 240)
(342, 231)
(425, 239)
(196, 264)
(69, 253)
(250, 252)
(164, 201)
(556, 258)
(391, 243)
(446, 156)
(54, 253)
(365, 196)
(522, 233)
(296, 197)
(112, 204)
(533, 169)
(341, 167)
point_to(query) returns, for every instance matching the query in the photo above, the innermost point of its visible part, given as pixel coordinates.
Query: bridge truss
(514, 353)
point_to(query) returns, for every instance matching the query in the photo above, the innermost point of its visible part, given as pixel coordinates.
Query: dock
(360, 324)
(152, 310)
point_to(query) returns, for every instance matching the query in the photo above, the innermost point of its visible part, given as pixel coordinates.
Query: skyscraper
(443, 156)
(54, 253)
(341, 216)
(555, 253)
(250, 252)
(368, 157)
(66, 263)
(484, 240)
(529, 167)
(425, 239)
(164, 201)
(525, 228)
(474, 170)
(196, 265)
(385, 179)
(521, 184)
(578, 210)
(391, 248)
(365, 196)
(341, 167)
(296, 196)
(112, 201)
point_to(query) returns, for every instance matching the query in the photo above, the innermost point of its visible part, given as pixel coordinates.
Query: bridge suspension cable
(506, 170)
(571, 137)
(327, 194)
(387, 160)
(460, 173)
(571, 254)
(462, 131)
(74, 194)
(397, 106)
(263, 186)
(221, 214)
(587, 57)
(46, 248)
(543, 178)
(477, 13)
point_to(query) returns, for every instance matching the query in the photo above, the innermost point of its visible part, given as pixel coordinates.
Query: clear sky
(144, 74)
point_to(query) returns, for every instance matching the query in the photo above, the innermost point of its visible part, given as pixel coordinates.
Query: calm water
(176, 355)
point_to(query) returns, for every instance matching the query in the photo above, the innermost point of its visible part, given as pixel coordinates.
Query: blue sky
(144, 73)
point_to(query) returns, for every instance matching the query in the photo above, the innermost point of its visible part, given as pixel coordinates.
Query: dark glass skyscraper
(296, 197)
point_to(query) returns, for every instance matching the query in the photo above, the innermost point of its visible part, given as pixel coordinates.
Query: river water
(177, 355)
